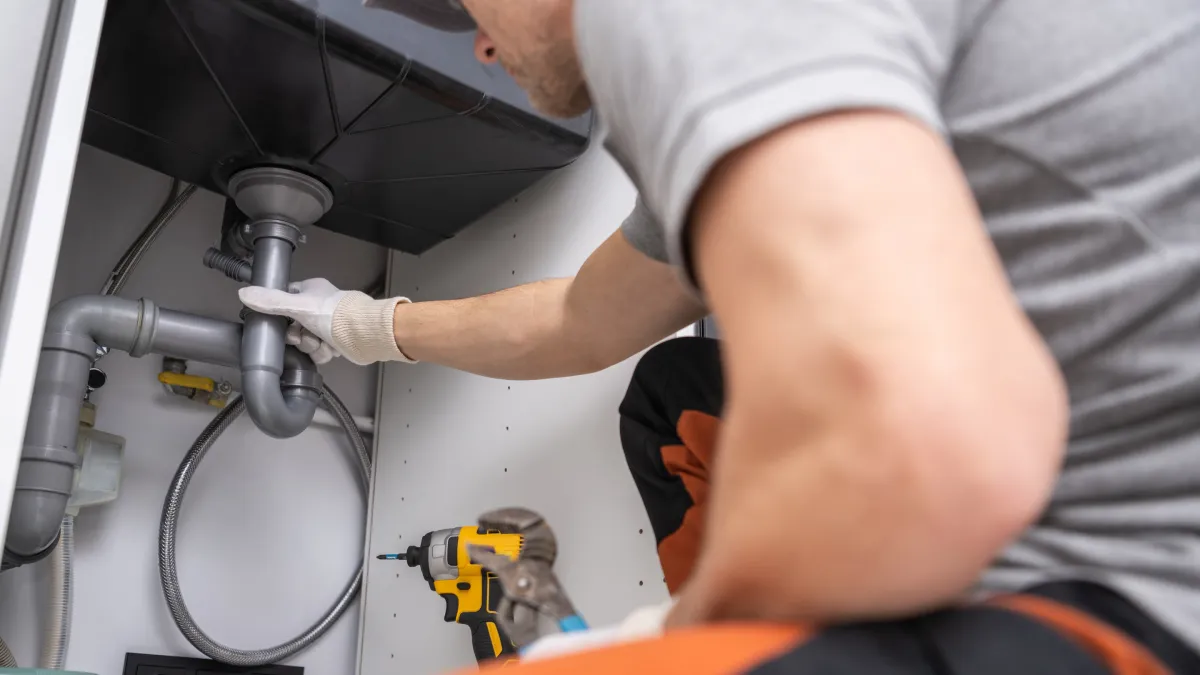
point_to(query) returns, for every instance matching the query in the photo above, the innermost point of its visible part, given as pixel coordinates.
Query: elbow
(1021, 433)
(924, 484)
(966, 472)
(983, 455)
(896, 505)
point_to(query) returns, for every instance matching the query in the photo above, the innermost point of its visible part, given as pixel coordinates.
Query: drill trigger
(451, 607)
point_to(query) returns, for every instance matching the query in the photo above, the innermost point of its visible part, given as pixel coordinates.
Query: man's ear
(485, 48)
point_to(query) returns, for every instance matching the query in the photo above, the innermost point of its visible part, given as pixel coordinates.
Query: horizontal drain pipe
(74, 328)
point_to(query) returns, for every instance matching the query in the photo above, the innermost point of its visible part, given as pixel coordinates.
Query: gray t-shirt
(1077, 124)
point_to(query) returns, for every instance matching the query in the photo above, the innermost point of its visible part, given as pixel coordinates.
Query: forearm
(519, 333)
(620, 303)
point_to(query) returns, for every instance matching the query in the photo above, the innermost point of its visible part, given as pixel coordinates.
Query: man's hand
(329, 322)
(892, 418)
(641, 624)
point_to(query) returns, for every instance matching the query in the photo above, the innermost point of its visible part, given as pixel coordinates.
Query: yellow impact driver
(472, 595)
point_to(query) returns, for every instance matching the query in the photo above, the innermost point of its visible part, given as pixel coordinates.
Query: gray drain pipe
(281, 412)
(278, 202)
(73, 329)
(280, 385)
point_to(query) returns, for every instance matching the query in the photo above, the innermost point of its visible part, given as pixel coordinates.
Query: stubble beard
(559, 89)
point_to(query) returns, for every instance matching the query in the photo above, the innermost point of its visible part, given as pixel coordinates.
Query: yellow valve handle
(189, 381)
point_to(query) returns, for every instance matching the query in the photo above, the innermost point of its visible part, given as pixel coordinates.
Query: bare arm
(620, 303)
(892, 418)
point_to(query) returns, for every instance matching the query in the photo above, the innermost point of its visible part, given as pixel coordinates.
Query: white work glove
(330, 322)
(641, 624)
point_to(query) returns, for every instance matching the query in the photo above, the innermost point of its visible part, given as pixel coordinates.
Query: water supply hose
(133, 255)
(57, 633)
(168, 530)
(6, 657)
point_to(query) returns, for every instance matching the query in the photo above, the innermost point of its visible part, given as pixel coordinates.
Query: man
(920, 224)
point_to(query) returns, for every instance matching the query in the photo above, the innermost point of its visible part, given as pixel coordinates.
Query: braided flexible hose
(6, 656)
(133, 255)
(168, 530)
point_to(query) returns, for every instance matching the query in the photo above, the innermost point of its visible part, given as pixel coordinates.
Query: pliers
(530, 586)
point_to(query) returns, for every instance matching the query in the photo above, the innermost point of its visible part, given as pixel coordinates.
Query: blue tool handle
(572, 624)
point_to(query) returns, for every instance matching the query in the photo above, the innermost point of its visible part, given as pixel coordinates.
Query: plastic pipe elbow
(47, 469)
(32, 529)
(279, 410)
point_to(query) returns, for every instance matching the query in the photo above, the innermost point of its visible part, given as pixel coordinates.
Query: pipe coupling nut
(275, 228)
(301, 379)
(46, 454)
(143, 343)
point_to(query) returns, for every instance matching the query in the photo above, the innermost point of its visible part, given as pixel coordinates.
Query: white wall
(452, 445)
(21, 36)
(271, 529)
